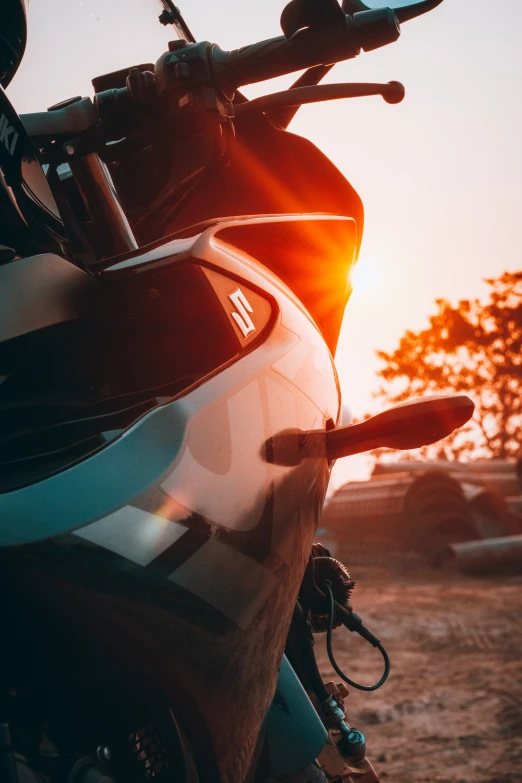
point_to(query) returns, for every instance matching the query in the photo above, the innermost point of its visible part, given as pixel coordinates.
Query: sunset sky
(440, 175)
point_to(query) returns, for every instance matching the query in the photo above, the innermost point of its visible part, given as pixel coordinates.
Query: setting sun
(364, 275)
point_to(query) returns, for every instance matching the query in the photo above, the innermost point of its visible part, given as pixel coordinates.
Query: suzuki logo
(241, 317)
(5, 135)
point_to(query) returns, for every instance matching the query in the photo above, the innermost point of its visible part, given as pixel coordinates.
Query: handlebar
(278, 56)
(322, 45)
(189, 66)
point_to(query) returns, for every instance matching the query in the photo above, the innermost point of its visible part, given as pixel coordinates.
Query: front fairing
(192, 578)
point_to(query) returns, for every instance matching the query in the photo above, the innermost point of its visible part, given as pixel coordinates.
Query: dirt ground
(451, 710)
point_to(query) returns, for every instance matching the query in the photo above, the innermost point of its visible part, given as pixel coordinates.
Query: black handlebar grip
(325, 45)
(319, 45)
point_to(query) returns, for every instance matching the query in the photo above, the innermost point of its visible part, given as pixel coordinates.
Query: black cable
(354, 623)
(300, 652)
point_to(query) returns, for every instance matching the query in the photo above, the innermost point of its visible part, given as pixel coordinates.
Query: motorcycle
(175, 267)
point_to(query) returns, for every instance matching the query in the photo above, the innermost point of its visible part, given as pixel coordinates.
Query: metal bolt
(70, 149)
(103, 753)
(354, 744)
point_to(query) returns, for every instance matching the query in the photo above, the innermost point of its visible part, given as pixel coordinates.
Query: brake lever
(392, 92)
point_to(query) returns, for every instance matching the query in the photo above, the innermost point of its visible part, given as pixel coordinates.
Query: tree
(473, 348)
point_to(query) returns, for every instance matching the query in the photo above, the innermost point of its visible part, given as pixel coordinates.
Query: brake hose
(354, 623)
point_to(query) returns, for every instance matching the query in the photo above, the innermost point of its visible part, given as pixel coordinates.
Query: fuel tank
(145, 510)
